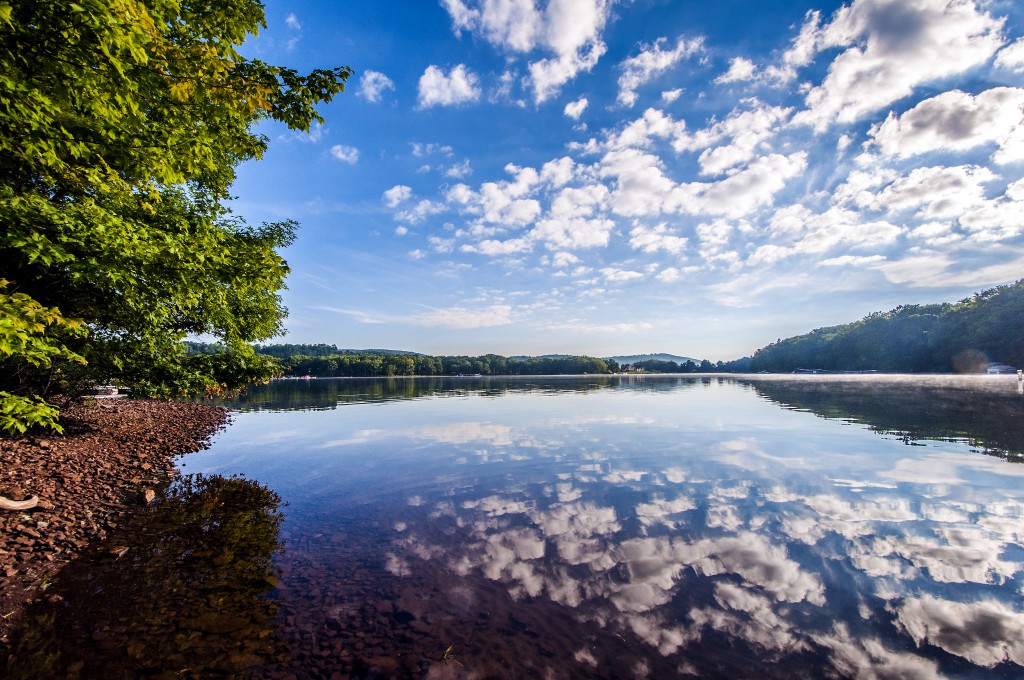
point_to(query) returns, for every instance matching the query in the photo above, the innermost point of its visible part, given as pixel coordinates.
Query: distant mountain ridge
(383, 352)
(633, 358)
(283, 350)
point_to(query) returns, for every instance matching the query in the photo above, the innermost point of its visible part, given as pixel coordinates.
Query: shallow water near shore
(642, 527)
(617, 527)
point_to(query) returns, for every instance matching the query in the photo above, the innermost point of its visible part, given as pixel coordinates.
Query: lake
(632, 527)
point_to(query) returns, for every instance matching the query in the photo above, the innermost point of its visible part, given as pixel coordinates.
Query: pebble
(93, 472)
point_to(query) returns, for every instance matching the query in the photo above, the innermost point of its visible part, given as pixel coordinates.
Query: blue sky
(605, 177)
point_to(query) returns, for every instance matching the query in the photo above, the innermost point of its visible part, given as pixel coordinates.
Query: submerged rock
(84, 483)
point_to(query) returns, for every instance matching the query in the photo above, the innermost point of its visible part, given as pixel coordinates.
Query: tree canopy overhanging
(121, 125)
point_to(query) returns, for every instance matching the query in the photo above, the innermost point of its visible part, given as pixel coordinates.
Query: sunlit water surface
(641, 527)
(556, 527)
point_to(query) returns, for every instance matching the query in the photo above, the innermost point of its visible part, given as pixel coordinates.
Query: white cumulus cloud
(652, 61)
(736, 139)
(373, 84)
(459, 170)
(616, 275)
(669, 275)
(345, 154)
(938, 192)
(741, 193)
(801, 52)
(653, 239)
(397, 194)
(570, 233)
(641, 183)
(494, 247)
(891, 47)
(568, 30)
(420, 211)
(1012, 57)
(797, 230)
(958, 121)
(998, 219)
(640, 133)
(459, 86)
(513, 24)
(740, 69)
(575, 109)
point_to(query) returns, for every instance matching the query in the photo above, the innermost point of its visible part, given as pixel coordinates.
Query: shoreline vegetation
(112, 458)
(335, 363)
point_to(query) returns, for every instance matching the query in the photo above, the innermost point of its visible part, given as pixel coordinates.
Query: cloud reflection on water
(700, 518)
(767, 557)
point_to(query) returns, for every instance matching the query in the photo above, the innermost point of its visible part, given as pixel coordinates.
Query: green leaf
(124, 124)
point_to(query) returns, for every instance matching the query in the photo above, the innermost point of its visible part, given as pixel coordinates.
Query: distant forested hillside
(951, 337)
(284, 350)
(634, 358)
(688, 366)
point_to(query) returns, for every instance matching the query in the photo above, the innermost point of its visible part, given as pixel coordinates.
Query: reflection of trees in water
(185, 599)
(328, 393)
(990, 419)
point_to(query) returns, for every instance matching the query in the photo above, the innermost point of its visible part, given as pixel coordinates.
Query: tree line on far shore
(317, 361)
(373, 365)
(322, 360)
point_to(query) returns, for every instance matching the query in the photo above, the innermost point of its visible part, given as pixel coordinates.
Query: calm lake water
(652, 527)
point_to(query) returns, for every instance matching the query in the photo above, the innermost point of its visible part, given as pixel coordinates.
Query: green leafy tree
(121, 126)
(24, 345)
(658, 366)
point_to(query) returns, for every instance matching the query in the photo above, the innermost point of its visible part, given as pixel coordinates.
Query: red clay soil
(88, 480)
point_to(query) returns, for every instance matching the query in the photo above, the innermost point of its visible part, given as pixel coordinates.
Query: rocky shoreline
(88, 480)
